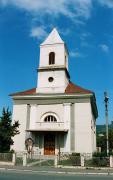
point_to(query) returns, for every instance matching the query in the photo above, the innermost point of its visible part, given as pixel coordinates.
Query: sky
(86, 26)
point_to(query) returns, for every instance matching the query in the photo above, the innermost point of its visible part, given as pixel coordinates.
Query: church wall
(67, 121)
(58, 85)
(55, 108)
(33, 116)
(72, 129)
(48, 101)
(20, 114)
(59, 54)
(93, 131)
(83, 138)
(77, 117)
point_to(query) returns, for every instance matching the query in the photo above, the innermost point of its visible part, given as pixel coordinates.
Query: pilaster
(67, 125)
(33, 115)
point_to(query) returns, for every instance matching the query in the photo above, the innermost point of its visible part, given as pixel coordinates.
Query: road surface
(11, 175)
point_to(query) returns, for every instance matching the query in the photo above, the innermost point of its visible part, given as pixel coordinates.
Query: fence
(39, 160)
(69, 160)
(85, 161)
(25, 159)
(19, 158)
(6, 157)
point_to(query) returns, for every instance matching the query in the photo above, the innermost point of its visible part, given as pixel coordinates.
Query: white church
(58, 115)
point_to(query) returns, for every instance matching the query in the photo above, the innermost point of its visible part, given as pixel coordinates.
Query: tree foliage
(101, 141)
(111, 139)
(7, 130)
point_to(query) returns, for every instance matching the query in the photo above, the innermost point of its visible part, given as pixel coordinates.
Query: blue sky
(85, 25)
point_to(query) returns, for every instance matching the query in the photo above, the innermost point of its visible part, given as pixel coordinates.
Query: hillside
(102, 128)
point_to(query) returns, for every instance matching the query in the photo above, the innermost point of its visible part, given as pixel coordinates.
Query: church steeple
(53, 38)
(53, 75)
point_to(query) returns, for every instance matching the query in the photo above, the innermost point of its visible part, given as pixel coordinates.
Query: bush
(98, 160)
(99, 154)
(75, 154)
(75, 159)
(19, 161)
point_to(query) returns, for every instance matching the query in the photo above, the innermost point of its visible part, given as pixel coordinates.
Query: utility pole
(106, 99)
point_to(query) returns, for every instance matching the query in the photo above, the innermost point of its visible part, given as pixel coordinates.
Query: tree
(7, 130)
(111, 140)
(101, 140)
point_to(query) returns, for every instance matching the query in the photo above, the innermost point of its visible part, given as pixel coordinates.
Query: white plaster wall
(83, 136)
(59, 50)
(33, 114)
(95, 142)
(55, 108)
(20, 114)
(59, 83)
(66, 59)
(38, 111)
(67, 119)
(93, 133)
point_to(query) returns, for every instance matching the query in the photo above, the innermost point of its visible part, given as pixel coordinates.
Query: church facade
(58, 115)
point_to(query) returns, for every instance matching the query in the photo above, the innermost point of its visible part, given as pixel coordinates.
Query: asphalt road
(6, 175)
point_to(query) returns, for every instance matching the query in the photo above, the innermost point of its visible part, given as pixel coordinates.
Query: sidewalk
(61, 170)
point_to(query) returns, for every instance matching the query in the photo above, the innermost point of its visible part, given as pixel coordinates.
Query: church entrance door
(49, 144)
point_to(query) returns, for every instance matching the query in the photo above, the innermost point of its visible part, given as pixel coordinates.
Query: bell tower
(53, 76)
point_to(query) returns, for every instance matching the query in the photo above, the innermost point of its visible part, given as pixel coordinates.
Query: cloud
(108, 3)
(76, 10)
(84, 39)
(72, 54)
(38, 32)
(76, 54)
(71, 8)
(104, 48)
(64, 32)
(85, 35)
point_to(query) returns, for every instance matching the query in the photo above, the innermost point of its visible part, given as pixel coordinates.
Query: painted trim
(52, 96)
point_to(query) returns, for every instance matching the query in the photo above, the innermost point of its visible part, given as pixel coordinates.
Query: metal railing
(69, 160)
(25, 159)
(6, 157)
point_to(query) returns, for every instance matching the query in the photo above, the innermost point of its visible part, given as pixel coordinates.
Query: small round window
(50, 79)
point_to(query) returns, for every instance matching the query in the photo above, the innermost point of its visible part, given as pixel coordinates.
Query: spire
(53, 38)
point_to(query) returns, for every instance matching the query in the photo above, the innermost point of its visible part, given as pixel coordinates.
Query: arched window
(50, 119)
(51, 58)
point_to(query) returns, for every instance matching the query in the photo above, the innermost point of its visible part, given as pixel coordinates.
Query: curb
(85, 168)
(57, 172)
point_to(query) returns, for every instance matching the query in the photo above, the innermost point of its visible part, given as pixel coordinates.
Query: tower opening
(51, 58)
